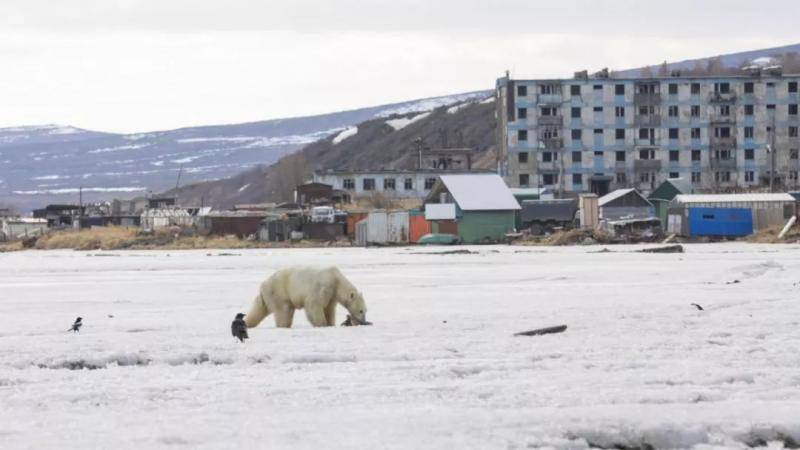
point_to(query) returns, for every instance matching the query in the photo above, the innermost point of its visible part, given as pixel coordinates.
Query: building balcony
(551, 143)
(723, 142)
(647, 164)
(647, 121)
(648, 142)
(550, 120)
(649, 98)
(550, 99)
(722, 97)
(717, 163)
(721, 120)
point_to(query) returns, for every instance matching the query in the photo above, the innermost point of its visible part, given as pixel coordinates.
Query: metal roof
(611, 196)
(484, 192)
(733, 198)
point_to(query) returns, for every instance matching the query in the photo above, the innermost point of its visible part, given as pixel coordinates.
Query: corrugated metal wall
(478, 226)
(733, 222)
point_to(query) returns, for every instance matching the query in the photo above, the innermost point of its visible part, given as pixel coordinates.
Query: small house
(21, 227)
(624, 203)
(476, 207)
(665, 193)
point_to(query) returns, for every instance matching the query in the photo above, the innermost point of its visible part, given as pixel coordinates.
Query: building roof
(733, 198)
(670, 188)
(321, 173)
(530, 191)
(480, 192)
(611, 196)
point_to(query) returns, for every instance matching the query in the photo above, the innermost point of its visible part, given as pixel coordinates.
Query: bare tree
(287, 174)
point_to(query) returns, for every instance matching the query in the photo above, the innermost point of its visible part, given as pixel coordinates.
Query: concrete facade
(392, 183)
(600, 134)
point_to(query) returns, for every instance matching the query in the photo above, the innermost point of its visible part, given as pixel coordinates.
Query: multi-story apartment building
(595, 134)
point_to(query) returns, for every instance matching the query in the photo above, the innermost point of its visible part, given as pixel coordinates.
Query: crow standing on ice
(239, 328)
(76, 326)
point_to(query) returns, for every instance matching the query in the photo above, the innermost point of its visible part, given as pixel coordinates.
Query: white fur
(317, 290)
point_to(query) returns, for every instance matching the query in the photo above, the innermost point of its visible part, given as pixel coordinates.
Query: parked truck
(546, 216)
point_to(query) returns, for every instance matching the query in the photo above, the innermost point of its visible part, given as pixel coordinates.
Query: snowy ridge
(346, 133)
(402, 122)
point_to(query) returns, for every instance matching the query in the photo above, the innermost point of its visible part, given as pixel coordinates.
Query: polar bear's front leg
(316, 315)
(284, 316)
(330, 314)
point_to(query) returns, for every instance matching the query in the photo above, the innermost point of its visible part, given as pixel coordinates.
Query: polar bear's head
(356, 306)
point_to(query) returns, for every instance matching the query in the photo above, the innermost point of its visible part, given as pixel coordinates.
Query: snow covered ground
(638, 366)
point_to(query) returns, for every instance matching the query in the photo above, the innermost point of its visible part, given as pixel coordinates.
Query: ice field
(155, 366)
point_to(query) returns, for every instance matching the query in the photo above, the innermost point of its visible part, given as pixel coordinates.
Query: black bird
(699, 308)
(76, 326)
(239, 328)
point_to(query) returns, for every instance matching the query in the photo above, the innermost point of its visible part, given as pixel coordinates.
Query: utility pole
(772, 150)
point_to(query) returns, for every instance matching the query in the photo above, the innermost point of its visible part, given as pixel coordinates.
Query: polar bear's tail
(257, 312)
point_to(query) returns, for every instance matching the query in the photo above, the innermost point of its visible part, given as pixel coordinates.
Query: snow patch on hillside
(348, 132)
(399, 124)
(77, 190)
(241, 189)
(429, 104)
(118, 148)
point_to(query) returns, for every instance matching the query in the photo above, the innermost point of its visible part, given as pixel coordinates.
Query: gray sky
(139, 65)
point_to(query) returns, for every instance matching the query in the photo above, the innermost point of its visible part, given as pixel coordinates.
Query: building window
(550, 179)
(368, 184)
(695, 155)
(577, 178)
(748, 87)
(725, 110)
(619, 89)
(522, 157)
(429, 182)
(621, 178)
(389, 184)
(619, 111)
(674, 155)
(672, 111)
(597, 109)
(644, 177)
(620, 134)
(522, 91)
(597, 87)
(722, 88)
(695, 88)
(673, 133)
(577, 157)
(792, 87)
(647, 153)
(696, 177)
(408, 184)
(748, 110)
(522, 113)
(548, 156)
(348, 184)
(575, 89)
(575, 112)
(598, 131)
(748, 132)
(793, 109)
(576, 134)
(549, 111)
(695, 133)
(695, 111)
(674, 175)
(524, 179)
(522, 135)
(722, 177)
(620, 156)
(722, 132)
(793, 153)
(549, 89)
(749, 154)
(793, 175)
(792, 131)
(748, 176)
(673, 89)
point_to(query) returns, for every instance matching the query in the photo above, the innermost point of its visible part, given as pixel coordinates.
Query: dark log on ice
(541, 331)
(677, 248)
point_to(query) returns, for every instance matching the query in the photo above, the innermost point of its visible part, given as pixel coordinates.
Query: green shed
(664, 194)
(481, 205)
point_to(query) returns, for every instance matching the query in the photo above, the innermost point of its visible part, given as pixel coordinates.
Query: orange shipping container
(418, 227)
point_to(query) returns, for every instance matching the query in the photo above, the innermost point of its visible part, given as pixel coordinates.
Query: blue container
(734, 222)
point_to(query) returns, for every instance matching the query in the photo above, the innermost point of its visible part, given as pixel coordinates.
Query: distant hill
(377, 143)
(48, 164)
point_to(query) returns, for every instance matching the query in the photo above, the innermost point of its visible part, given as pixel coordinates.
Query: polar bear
(317, 290)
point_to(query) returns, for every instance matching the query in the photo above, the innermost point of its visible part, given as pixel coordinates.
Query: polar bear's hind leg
(257, 312)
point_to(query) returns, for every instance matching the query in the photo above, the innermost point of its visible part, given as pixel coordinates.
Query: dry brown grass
(14, 246)
(770, 235)
(108, 238)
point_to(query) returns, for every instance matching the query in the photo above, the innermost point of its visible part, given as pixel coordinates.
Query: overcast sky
(139, 65)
